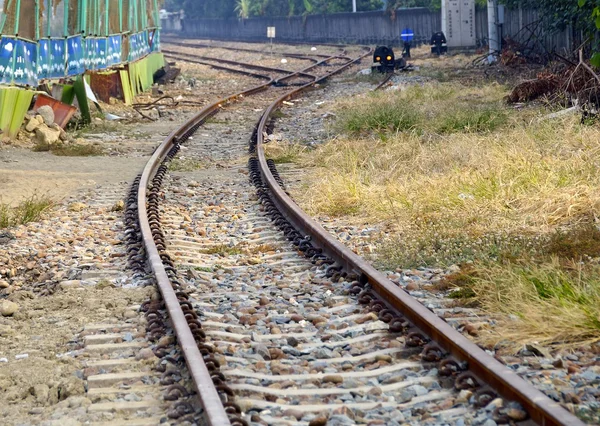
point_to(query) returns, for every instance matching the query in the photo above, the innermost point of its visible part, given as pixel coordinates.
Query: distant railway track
(379, 330)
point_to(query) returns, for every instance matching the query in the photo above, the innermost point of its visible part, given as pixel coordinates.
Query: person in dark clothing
(406, 51)
(437, 40)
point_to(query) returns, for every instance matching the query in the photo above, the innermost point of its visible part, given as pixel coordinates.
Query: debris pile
(40, 126)
(574, 84)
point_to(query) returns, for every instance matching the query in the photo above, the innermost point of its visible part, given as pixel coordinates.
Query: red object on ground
(62, 111)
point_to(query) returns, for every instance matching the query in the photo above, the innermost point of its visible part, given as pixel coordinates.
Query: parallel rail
(540, 408)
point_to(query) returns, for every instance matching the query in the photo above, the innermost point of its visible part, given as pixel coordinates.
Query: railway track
(288, 326)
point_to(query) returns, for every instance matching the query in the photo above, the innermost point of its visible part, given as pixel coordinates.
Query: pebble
(334, 378)
(8, 308)
(145, 353)
(318, 421)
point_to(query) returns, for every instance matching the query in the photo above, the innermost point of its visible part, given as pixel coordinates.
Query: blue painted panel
(114, 50)
(58, 55)
(44, 58)
(75, 56)
(25, 66)
(102, 52)
(7, 50)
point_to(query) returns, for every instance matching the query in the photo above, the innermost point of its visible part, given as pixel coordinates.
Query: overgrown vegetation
(70, 150)
(453, 177)
(29, 210)
(434, 108)
(283, 152)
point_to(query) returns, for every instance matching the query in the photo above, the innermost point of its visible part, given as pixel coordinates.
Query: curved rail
(210, 400)
(509, 385)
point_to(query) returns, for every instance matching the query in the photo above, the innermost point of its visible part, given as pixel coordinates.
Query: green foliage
(29, 210)
(243, 8)
(558, 14)
(249, 8)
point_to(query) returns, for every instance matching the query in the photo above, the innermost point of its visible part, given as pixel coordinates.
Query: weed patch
(70, 150)
(283, 152)
(431, 109)
(222, 250)
(518, 205)
(29, 210)
(185, 165)
(546, 302)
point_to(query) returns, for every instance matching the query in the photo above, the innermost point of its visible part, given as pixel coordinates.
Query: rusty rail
(507, 383)
(215, 413)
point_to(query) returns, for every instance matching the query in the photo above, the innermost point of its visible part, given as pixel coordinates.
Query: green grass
(29, 210)
(431, 109)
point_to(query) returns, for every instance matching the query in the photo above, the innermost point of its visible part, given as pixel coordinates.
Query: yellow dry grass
(495, 198)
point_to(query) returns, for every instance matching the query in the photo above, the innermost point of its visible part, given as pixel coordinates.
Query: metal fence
(373, 28)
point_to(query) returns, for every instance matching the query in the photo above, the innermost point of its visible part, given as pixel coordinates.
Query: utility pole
(493, 41)
(354, 6)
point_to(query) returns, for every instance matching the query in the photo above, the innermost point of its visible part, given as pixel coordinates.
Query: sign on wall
(458, 22)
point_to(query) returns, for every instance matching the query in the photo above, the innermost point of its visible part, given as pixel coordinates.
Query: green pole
(156, 18)
(96, 17)
(66, 17)
(83, 15)
(37, 19)
(18, 16)
(106, 23)
(48, 17)
(4, 15)
(120, 16)
(130, 17)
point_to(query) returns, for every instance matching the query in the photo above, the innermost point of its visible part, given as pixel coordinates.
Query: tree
(594, 16)
(243, 8)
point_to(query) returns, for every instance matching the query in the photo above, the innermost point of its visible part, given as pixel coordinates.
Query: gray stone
(145, 353)
(340, 420)
(323, 353)
(263, 352)
(405, 395)
(538, 350)
(419, 390)
(47, 114)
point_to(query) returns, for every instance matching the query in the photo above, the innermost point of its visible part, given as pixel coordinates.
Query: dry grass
(544, 302)
(430, 109)
(518, 202)
(182, 164)
(29, 210)
(283, 152)
(70, 150)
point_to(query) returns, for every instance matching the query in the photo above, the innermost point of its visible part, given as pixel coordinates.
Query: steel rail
(506, 382)
(207, 393)
(304, 56)
(221, 67)
(387, 78)
(181, 56)
(210, 400)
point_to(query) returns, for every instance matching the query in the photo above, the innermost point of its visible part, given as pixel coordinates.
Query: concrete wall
(371, 28)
